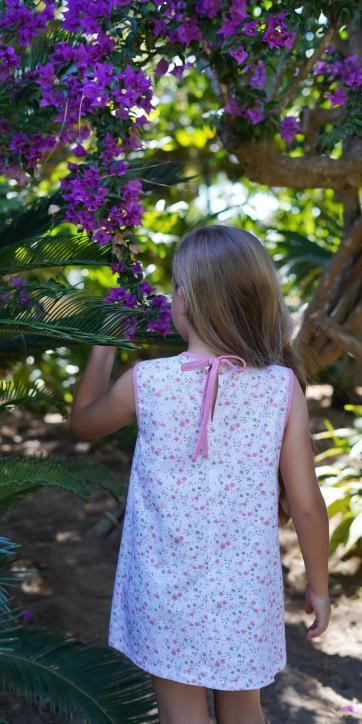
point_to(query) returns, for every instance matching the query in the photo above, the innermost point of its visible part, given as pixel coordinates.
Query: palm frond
(70, 315)
(19, 392)
(294, 254)
(8, 577)
(64, 249)
(153, 174)
(70, 677)
(20, 476)
(29, 222)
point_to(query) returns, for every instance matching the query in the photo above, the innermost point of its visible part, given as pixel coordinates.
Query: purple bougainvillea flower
(101, 237)
(233, 107)
(179, 70)
(188, 31)
(351, 72)
(145, 288)
(255, 115)
(239, 54)
(8, 60)
(24, 298)
(136, 268)
(289, 127)
(26, 615)
(250, 28)
(79, 150)
(161, 67)
(159, 300)
(321, 67)
(258, 77)
(120, 294)
(229, 27)
(159, 27)
(277, 34)
(337, 97)
(210, 8)
(118, 267)
(238, 9)
(17, 282)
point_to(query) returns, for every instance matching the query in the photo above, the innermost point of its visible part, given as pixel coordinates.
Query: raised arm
(307, 508)
(98, 411)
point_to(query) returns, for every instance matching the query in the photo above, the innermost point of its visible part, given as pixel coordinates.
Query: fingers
(316, 629)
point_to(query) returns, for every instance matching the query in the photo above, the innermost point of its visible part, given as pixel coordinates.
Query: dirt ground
(74, 546)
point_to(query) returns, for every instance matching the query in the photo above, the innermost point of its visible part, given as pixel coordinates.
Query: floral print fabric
(198, 595)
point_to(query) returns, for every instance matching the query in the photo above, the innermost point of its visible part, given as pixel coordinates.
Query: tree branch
(262, 163)
(338, 334)
(306, 69)
(337, 267)
(313, 119)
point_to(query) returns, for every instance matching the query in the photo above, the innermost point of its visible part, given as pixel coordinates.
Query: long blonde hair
(233, 299)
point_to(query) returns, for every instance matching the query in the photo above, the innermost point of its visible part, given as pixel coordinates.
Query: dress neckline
(196, 354)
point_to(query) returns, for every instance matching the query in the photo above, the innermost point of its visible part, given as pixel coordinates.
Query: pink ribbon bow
(213, 362)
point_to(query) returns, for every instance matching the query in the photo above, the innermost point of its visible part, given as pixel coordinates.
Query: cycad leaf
(15, 392)
(8, 577)
(33, 220)
(64, 249)
(20, 476)
(70, 677)
(152, 174)
(70, 315)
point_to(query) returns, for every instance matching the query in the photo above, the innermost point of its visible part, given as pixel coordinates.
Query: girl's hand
(320, 605)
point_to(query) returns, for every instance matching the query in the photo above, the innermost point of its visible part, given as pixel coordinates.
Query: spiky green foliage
(342, 482)
(46, 250)
(70, 677)
(20, 476)
(19, 392)
(67, 315)
(299, 260)
(8, 578)
(28, 222)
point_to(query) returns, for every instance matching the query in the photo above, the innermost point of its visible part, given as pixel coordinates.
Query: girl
(198, 595)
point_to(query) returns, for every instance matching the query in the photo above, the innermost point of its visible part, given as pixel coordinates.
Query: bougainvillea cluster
(89, 92)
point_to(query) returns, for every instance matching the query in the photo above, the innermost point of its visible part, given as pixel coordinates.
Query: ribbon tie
(202, 361)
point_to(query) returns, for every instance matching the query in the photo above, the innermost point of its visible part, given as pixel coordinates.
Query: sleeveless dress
(198, 595)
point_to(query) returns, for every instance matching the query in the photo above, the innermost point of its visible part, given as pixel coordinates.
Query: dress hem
(171, 677)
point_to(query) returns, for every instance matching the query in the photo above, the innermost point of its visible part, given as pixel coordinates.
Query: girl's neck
(199, 349)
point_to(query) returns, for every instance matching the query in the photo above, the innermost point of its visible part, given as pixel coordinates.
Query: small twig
(57, 136)
(338, 334)
(306, 69)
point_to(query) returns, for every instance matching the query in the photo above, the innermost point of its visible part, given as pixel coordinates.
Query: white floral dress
(198, 595)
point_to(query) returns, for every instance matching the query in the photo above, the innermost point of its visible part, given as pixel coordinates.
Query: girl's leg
(180, 703)
(238, 707)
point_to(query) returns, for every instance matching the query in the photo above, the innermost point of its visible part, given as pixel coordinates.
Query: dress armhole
(136, 392)
(291, 379)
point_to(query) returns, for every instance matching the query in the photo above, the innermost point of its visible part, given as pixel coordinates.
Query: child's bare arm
(98, 411)
(307, 506)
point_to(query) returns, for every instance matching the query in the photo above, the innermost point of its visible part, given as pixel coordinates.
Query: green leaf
(73, 678)
(20, 476)
(354, 533)
(64, 249)
(340, 533)
(29, 222)
(13, 392)
(8, 576)
(70, 315)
